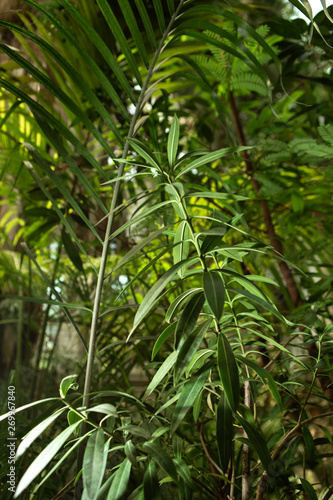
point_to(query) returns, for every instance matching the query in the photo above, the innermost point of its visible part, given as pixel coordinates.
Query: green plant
(112, 149)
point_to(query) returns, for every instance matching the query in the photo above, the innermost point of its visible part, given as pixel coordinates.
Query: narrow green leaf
(214, 292)
(186, 399)
(256, 441)
(39, 112)
(153, 294)
(258, 300)
(188, 318)
(309, 490)
(209, 157)
(119, 484)
(181, 251)
(40, 300)
(162, 338)
(211, 241)
(184, 472)
(102, 78)
(162, 459)
(36, 432)
(120, 37)
(151, 485)
(145, 153)
(147, 23)
(66, 384)
(216, 196)
(130, 452)
(21, 408)
(59, 94)
(178, 302)
(71, 250)
(228, 371)
(134, 29)
(137, 248)
(139, 217)
(173, 138)
(100, 45)
(163, 370)
(60, 214)
(94, 463)
(56, 179)
(189, 347)
(224, 432)
(44, 458)
(264, 375)
(105, 408)
(160, 14)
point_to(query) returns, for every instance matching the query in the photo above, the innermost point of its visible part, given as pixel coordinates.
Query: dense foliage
(166, 261)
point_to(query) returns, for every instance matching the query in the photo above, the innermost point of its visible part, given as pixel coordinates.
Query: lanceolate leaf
(256, 440)
(36, 432)
(178, 303)
(94, 463)
(153, 294)
(120, 481)
(228, 371)
(100, 45)
(151, 485)
(118, 33)
(263, 303)
(188, 318)
(162, 458)
(44, 458)
(181, 251)
(186, 399)
(211, 241)
(264, 374)
(163, 370)
(214, 292)
(173, 139)
(224, 432)
(162, 338)
(209, 157)
(189, 347)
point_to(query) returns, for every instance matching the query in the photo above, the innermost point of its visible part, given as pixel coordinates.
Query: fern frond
(247, 81)
(326, 133)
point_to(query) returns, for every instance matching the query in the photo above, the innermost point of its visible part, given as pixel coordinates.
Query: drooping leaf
(224, 432)
(161, 373)
(186, 399)
(214, 292)
(208, 158)
(94, 463)
(120, 481)
(189, 347)
(43, 459)
(181, 251)
(309, 490)
(71, 250)
(256, 441)
(151, 485)
(36, 432)
(188, 318)
(177, 303)
(173, 139)
(153, 294)
(162, 458)
(264, 375)
(162, 338)
(228, 371)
